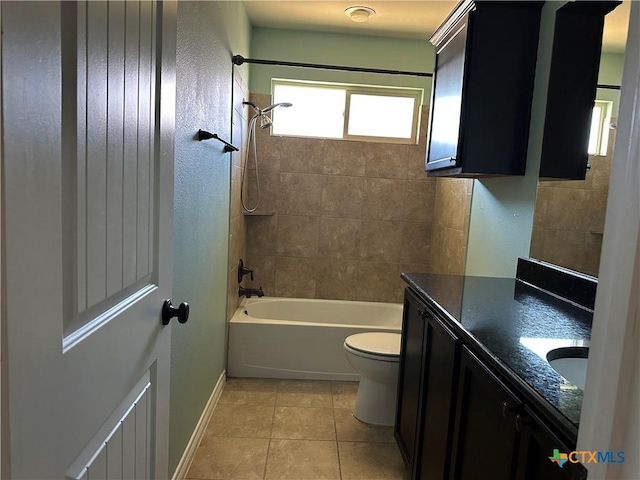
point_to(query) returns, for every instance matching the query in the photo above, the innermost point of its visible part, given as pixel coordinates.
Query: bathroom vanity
(476, 393)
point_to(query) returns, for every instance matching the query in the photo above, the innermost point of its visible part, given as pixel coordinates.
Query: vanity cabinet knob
(507, 410)
(519, 423)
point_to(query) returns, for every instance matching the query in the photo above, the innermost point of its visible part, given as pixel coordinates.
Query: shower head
(265, 121)
(271, 107)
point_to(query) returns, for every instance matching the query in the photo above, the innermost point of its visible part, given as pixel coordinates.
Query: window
(348, 112)
(599, 134)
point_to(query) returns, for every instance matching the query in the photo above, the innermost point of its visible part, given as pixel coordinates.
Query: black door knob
(169, 311)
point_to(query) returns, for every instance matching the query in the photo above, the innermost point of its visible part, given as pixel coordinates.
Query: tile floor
(293, 430)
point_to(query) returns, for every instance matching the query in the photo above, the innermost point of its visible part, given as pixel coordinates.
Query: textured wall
(348, 217)
(339, 49)
(201, 209)
(568, 223)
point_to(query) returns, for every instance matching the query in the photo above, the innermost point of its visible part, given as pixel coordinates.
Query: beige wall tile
(383, 199)
(261, 234)
(342, 207)
(269, 190)
(236, 179)
(297, 236)
(345, 158)
(303, 155)
(378, 282)
(264, 273)
(595, 209)
(295, 277)
(342, 197)
(452, 203)
(448, 251)
(419, 201)
(567, 211)
(339, 238)
(415, 243)
(385, 160)
(566, 248)
(335, 279)
(300, 194)
(380, 241)
(237, 240)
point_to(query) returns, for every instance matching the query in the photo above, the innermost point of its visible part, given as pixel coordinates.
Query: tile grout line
(273, 418)
(335, 427)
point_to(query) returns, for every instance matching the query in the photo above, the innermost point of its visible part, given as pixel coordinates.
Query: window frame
(417, 94)
(602, 140)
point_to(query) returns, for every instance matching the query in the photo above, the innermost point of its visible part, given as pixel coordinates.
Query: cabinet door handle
(506, 409)
(519, 422)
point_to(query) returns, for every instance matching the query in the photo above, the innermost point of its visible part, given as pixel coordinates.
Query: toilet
(375, 356)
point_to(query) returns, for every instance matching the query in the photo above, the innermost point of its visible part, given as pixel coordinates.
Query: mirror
(568, 221)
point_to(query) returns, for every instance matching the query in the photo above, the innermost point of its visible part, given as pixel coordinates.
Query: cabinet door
(446, 99)
(441, 362)
(573, 80)
(485, 434)
(409, 376)
(537, 444)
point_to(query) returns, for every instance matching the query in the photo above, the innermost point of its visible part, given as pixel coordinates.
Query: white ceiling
(394, 18)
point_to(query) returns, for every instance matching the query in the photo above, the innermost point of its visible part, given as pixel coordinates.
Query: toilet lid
(377, 343)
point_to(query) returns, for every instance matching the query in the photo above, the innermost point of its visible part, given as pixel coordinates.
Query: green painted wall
(611, 65)
(338, 49)
(501, 219)
(208, 34)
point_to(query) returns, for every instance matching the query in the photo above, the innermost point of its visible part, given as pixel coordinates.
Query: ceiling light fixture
(359, 14)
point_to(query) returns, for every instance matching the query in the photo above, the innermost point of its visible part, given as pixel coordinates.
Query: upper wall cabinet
(573, 79)
(482, 89)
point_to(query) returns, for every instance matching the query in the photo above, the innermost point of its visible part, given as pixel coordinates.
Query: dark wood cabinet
(486, 437)
(457, 418)
(441, 355)
(536, 443)
(482, 89)
(410, 376)
(573, 79)
(426, 390)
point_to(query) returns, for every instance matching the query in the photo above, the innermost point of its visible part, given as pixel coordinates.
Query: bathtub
(302, 338)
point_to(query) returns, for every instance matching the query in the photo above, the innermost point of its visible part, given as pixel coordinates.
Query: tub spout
(250, 292)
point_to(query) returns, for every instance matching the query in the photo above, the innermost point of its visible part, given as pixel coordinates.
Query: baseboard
(196, 436)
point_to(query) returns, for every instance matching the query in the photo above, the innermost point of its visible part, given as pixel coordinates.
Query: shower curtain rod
(239, 60)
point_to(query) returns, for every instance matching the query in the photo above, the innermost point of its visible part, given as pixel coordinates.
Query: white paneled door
(88, 102)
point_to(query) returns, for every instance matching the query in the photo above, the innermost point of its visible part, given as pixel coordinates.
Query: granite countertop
(512, 326)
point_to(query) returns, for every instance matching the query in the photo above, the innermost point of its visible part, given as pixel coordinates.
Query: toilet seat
(376, 345)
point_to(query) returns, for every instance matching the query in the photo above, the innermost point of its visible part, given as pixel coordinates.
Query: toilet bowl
(375, 356)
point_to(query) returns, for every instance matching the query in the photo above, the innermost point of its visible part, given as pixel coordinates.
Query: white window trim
(406, 92)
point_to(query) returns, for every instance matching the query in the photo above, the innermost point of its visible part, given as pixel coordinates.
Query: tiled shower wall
(343, 219)
(346, 217)
(568, 222)
(237, 232)
(450, 230)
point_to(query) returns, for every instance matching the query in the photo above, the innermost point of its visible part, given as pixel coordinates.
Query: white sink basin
(571, 363)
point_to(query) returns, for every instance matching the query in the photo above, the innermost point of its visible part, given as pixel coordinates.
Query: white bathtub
(302, 338)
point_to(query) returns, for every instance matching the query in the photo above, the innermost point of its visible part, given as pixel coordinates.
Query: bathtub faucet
(250, 292)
